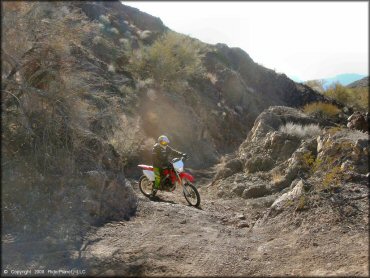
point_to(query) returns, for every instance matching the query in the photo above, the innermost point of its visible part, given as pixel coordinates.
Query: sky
(304, 40)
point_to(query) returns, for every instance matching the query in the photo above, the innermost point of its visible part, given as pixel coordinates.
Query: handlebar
(184, 157)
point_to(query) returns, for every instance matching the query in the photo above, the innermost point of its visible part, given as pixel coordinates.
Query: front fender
(186, 176)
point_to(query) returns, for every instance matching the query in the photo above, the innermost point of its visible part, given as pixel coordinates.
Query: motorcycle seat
(146, 167)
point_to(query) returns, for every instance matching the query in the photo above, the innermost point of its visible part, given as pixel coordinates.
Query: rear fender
(186, 176)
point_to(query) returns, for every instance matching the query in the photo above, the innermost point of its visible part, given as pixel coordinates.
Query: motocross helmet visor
(163, 140)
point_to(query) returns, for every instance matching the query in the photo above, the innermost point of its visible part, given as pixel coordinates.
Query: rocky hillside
(364, 82)
(86, 94)
(208, 116)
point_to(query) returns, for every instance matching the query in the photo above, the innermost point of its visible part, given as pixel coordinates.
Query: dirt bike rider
(160, 155)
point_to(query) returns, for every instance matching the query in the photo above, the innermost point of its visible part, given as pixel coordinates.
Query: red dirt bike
(172, 177)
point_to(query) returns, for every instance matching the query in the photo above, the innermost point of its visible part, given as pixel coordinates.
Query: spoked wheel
(146, 187)
(191, 194)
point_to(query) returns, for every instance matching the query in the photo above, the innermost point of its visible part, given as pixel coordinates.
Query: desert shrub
(328, 166)
(127, 138)
(46, 122)
(212, 77)
(356, 98)
(317, 85)
(58, 113)
(340, 93)
(361, 98)
(104, 49)
(276, 177)
(334, 130)
(301, 131)
(41, 89)
(310, 162)
(170, 60)
(353, 97)
(321, 109)
(333, 179)
(302, 203)
(308, 159)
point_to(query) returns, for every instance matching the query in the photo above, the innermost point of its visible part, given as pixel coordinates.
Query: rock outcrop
(359, 121)
(299, 161)
(270, 156)
(284, 147)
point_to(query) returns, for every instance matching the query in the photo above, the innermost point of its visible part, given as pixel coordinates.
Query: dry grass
(334, 130)
(277, 177)
(212, 77)
(125, 137)
(301, 131)
(321, 109)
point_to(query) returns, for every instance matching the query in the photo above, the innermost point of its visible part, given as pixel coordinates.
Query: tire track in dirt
(165, 237)
(169, 238)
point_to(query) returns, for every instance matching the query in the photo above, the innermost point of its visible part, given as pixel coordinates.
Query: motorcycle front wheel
(146, 187)
(191, 194)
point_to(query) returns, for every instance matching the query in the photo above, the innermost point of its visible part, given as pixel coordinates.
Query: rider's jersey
(161, 155)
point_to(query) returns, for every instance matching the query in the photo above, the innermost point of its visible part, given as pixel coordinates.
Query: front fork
(181, 181)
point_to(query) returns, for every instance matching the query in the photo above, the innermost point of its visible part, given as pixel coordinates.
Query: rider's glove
(185, 155)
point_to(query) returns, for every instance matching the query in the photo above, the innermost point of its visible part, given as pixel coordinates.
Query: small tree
(317, 85)
(339, 93)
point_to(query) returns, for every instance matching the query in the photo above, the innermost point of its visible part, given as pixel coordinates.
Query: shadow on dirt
(157, 199)
(160, 200)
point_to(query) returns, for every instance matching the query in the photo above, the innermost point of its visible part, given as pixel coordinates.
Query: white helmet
(163, 140)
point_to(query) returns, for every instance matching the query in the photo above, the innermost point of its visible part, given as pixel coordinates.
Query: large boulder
(291, 195)
(358, 121)
(255, 191)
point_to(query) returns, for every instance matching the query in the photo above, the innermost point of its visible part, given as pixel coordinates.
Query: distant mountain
(343, 79)
(364, 82)
(295, 78)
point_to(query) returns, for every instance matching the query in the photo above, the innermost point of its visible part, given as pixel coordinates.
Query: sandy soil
(169, 238)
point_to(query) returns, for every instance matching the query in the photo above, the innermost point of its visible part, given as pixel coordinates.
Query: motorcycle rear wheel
(146, 187)
(191, 194)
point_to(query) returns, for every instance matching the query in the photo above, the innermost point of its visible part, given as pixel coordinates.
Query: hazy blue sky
(308, 40)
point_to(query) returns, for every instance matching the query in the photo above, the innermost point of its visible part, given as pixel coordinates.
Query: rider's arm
(174, 152)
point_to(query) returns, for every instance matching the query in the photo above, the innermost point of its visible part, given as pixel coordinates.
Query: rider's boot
(154, 190)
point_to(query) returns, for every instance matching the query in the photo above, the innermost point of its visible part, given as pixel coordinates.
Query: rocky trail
(167, 237)
(288, 194)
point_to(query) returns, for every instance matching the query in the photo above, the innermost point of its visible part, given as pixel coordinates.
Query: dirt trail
(169, 238)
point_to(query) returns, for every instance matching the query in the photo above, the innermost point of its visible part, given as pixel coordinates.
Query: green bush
(356, 98)
(340, 94)
(361, 98)
(171, 61)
